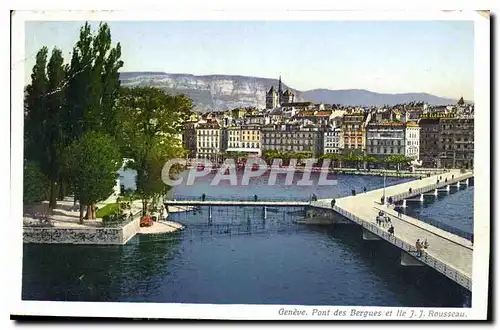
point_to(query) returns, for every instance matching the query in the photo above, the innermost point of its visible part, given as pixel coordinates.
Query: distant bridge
(236, 203)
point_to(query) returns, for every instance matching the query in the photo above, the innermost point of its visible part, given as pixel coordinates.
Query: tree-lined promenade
(80, 125)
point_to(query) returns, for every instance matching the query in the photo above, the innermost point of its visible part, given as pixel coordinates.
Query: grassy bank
(107, 210)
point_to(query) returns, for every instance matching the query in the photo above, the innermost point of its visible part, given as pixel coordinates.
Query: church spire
(280, 91)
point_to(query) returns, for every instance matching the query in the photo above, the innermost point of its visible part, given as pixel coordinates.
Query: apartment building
(456, 142)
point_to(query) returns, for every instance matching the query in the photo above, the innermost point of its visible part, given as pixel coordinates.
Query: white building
(333, 138)
(412, 138)
(385, 138)
(208, 140)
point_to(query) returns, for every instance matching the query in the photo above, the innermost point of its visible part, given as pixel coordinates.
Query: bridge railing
(418, 191)
(426, 258)
(239, 199)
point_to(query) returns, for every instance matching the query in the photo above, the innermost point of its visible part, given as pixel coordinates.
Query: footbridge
(448, 253)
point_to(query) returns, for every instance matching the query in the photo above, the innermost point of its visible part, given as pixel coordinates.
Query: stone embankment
(64, 227)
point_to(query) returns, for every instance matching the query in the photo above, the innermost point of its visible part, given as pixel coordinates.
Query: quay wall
(89, 236)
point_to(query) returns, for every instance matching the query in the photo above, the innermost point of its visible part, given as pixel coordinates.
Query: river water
(240, 258)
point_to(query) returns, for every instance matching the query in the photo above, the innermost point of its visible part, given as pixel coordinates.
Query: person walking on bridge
(418, 246)
(391, 230)
(426, 244)
(255, 198)
(364, 190)
(203, 197)
(333, 203)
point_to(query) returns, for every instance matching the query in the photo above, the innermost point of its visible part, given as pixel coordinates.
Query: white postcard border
(250, 312)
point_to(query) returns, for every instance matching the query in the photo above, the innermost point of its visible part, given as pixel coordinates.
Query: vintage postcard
(286, 165)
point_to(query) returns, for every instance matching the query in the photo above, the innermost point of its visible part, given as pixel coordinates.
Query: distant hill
(221, 92)
(364, 97)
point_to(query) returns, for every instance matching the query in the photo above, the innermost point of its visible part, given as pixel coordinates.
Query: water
(242, 259)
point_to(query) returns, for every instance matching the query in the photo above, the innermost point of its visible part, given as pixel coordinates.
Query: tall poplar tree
(35, 106)
(53, 143)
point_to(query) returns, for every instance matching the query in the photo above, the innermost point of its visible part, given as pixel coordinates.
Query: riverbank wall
(85, 236)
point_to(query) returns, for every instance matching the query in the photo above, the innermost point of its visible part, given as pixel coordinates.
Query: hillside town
(429, 136)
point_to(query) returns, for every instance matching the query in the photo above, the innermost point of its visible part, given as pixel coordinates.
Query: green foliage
(150, 121)
(34, 107)
(96, 161)
(62, 102)
(113, 219)
(93, 84)
(107, 210)
(35, 184)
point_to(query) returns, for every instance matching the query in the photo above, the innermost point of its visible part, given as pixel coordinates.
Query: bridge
(236, 203)
(448, 253)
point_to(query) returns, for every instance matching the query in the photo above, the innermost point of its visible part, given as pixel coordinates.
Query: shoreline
(350, 171)
(64, 227)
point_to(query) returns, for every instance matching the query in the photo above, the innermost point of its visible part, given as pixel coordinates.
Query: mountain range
(222, 92)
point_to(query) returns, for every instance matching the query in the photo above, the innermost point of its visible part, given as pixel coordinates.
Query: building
(292, 138)
(332, 140)
(353, 132)
(189, 139)
(246, 138)
(412, 140)
(385, 138)
(259, 119)
(456, 142)
(429, 141)
(208, 140)
(275, 98)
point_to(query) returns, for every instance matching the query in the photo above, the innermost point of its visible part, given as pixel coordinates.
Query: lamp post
(384, 189)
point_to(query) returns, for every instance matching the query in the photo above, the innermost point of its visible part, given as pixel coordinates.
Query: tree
(150, 121)
(35, 106)
(62, 102)
(93, 84)
(43, 104)
(35, 183)
(53, 143)
(96, 160)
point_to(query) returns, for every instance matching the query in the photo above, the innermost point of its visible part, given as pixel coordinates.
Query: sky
(435, 57)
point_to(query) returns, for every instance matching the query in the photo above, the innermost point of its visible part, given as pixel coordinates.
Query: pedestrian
(452, 176)
(364, 190)
(255, 198)
(333, 203)
(409, 190)
(418, 246)
(382, 200)
(203, 197)
(353, 192)
(472, 239)
(390, 200)
(426, 244)
(391, 230)
(399, 213)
